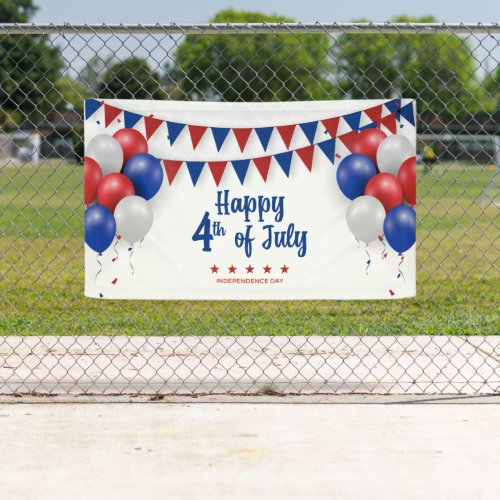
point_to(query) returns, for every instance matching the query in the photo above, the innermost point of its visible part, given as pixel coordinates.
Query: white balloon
(107, 152)
(365, 218)
(134, 218)
(392, 152)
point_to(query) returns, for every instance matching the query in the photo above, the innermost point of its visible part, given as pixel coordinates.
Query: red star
(284, 269)
(249, 269)
(214, 269)
(267, 269)
(232, 269)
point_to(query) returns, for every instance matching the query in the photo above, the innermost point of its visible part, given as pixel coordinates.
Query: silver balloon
(392, 152)
(134, 218)
(107, 152)
(365, 218)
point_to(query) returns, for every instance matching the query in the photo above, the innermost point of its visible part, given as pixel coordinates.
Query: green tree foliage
(491, 88)
(29, 67)
(131, 79)
(438, 70)
(253, 67)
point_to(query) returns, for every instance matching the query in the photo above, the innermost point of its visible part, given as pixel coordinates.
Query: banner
(300, 200)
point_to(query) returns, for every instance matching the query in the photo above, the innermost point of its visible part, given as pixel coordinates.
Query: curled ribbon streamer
(131, 252)
(100, 266)
(357, 241)
(399, 267)
(369, 261)
(381, 239)
(115, 249)
(140, 242)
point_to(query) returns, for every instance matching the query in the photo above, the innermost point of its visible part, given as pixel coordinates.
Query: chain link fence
(53, 340)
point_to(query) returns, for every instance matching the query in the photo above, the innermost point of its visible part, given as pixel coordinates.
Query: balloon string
(400, 272)
(100, 266)
(357, 241)
(383, 253)
(369, 261)
(131, 250)
(140, 242)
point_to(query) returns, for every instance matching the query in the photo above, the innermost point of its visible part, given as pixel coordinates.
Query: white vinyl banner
(258, 201)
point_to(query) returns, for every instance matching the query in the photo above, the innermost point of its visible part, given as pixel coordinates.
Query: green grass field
(41, 266)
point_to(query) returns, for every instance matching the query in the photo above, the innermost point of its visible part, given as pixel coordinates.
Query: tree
(29, 66)
(91, 76)
(253, 67)
(131, 79)
(438, 70)
(491, 88)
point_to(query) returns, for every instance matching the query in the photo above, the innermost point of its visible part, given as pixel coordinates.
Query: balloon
(392, 152)
(365, 218)
(107, 152)
(367, 143)
(407, 175)
(100, 228)
(400, 228)
(134, 218)
(113, 188)
(353, 174)
(146, 173)
(132, 142)
(92, 175)
(386, 188)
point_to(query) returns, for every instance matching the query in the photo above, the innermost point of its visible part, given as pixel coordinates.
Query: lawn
(41, 266)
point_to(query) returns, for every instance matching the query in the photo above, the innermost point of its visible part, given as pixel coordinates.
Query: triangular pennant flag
(91, 106)
(370, 125)
(306, 155)
(196, 132)
(328, 147)
(393, 105)
(352, 119)
(389, 122)
(174, 129)
(152, 125)
(286, 133)
(110, 113)
(220, 135)
(171, 168)
(264, 135)
(331, 125)
(374, 113)
(348, 139)
(241, 168)
(217, 168)
(194, 169)
(130, 119)
(309, 130)
(408, 114)
(284, 160)
(262, 165)
(242, 135)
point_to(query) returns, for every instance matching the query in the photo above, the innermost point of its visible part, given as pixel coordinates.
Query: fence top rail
(246, 28)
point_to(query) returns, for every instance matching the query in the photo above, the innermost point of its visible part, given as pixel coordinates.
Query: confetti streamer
(383, 253)
(100, 266)
(400, 272)
(115, 249)
(369, 261)
(114, 281)
(131, 252)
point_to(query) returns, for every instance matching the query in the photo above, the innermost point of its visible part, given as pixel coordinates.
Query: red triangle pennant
(374, 113)
(262, 165)
(348, 139)
(152, 125)
(171, 168)
(331, 125)
(196, 132)
(286, 133)
(389, 122)
(217, 168)
(110, 113)
(306, 155)
(242, 135)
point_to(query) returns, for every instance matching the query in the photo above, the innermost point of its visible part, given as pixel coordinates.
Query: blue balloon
(146, 173)
(100, 228)
(400, 227)
(353, 174)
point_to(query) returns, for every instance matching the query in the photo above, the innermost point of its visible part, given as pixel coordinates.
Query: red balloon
(92, 175)
(367, 143)
(407, 175)
(386, 188)
(132, 142)
(113, 188)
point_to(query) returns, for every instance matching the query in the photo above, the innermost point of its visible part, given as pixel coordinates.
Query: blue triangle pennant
(393, 106)
(241, 168)
(408, 113)
(328, 147)
(194, 169)
(309, 130)
(353, 119)
(91, 106)
(370, 125)
(284, 160)
(174, 129)
(264, 135)
(130, 119)
(220, 135)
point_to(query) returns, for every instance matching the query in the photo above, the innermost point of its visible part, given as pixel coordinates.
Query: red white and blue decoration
(258, 201)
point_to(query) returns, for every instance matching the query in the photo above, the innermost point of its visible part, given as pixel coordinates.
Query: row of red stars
(250, 269)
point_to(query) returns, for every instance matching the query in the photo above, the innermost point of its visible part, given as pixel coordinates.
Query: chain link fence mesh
(53, 340)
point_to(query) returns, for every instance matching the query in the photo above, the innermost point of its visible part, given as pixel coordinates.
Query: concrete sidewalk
(234, 451)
